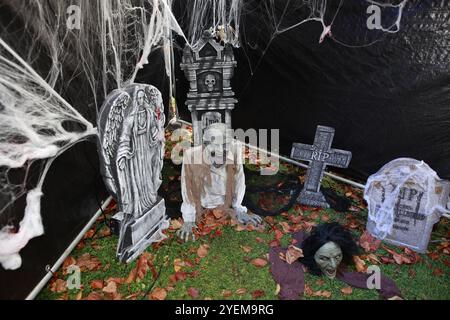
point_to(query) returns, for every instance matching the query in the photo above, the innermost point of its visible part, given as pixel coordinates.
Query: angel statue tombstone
(131, 133)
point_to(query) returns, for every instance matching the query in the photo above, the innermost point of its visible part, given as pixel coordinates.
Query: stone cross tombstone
(209, 67)
(320, 155)
(131, 147)
(405, 199)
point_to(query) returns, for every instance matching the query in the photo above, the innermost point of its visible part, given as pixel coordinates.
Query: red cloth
(291, 277)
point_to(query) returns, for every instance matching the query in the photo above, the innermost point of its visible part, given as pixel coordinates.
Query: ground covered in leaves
(229, 261)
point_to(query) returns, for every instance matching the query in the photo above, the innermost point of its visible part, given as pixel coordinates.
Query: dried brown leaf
(368, 242)
(97, 284)
(59, 286)
(258, 294)
(158, 294)
(193, 293)
(110, 288)
(347, 290)
(203, 250)
(241, 291)
(359, 264)
(94, 295)
(259, 262)
(87, 262)
(293, 253)
(246, 249)
(227, 293)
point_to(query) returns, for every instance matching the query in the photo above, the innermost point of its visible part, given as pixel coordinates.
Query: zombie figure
(213, 177)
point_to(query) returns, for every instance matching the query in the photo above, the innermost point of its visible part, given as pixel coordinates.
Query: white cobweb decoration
(226, 20)
(111, 45)
(32, 117)
(222, 17)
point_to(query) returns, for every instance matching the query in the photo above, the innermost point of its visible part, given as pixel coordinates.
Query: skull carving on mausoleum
(210, 82)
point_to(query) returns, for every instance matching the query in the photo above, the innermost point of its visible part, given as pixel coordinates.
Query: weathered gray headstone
(209, 67)
(320, 155)
(131, 133)
(405, 199)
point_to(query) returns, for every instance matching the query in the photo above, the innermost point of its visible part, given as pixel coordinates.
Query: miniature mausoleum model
(209, 67)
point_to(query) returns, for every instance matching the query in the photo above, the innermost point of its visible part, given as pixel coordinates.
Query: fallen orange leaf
(97, 284)
(110, 288)
(258, 294)
(59, 286)
(158, 294)
(193, 293)
(368, 242)
(347, 290)
(178, 264)
(87, 262)
(218, 213)
(95, 296)
(359, 264)
(241, 291)
(227, 293)
(246, 249)
(259, 263)
(203, 250)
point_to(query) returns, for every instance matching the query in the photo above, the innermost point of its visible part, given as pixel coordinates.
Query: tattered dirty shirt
(214, 191)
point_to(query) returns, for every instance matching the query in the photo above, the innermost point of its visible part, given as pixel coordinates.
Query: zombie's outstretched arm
(187, 208)
(239, 192)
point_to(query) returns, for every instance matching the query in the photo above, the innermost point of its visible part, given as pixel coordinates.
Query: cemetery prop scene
(180, 208)
(132, 141)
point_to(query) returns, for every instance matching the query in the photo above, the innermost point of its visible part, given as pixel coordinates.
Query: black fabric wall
(387, 100)
(72, 192)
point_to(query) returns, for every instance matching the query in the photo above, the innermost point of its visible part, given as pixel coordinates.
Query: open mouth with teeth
(330, 273)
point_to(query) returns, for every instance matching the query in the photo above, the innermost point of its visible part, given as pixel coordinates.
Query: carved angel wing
(113, 127)
(112, 116)
(157, 106)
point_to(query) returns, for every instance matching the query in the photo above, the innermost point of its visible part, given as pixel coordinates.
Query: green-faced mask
(328, 258)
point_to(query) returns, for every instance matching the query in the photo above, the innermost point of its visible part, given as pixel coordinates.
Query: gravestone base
(313, 199)
(142, 231)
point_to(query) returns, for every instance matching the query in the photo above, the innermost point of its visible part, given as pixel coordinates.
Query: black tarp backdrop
(73, 188)
(72, 192)
(387, 100)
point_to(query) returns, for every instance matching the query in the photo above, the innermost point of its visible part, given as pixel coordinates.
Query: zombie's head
(328, 245)
(216, 141)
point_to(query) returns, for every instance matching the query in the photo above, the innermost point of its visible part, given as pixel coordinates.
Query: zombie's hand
(245, 218)
(186, 232)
